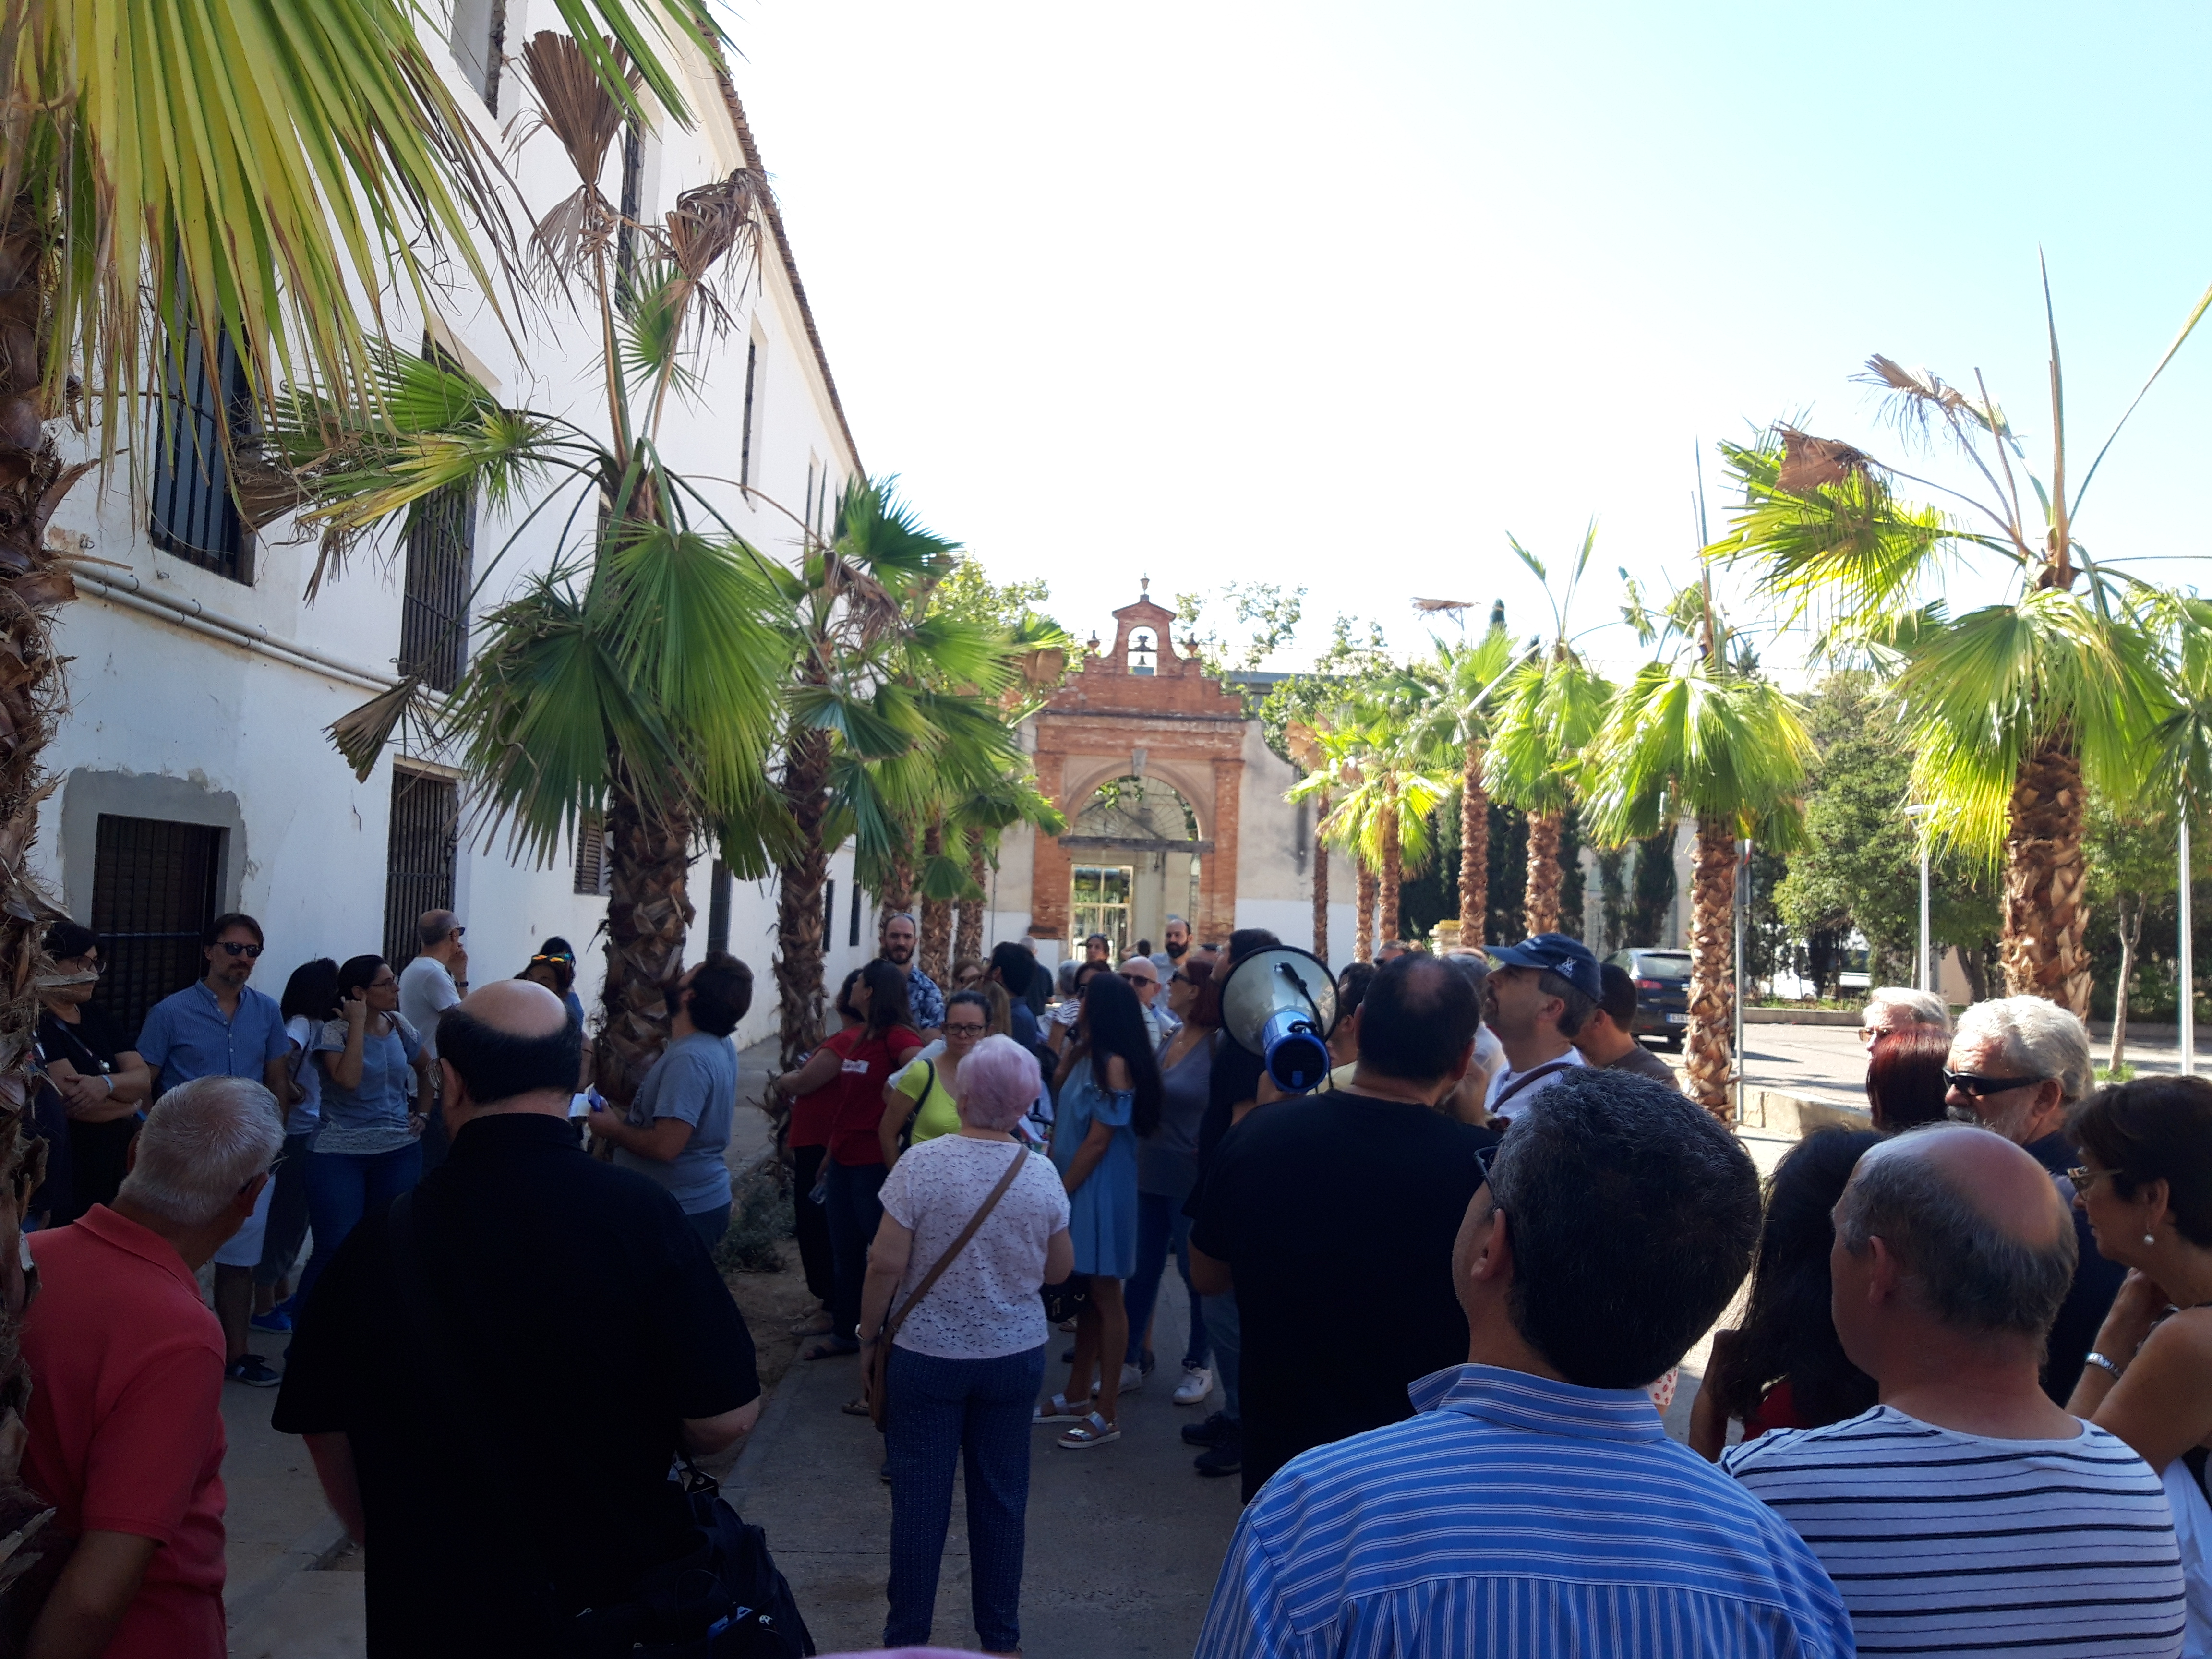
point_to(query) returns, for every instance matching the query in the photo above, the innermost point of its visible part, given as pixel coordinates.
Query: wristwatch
(2092, 1358)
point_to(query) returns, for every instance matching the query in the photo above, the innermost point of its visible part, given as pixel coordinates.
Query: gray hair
(1925, 1006)
(202, 1142)
(1959, 1263)
(1471, 965)
(2039, 1036)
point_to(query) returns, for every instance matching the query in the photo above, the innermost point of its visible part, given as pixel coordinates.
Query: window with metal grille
(479, 42)
(195, 516)
(156, 885)
(434, 610)
(718, 907)
(745, 438)
(418, 862)
(592, 866)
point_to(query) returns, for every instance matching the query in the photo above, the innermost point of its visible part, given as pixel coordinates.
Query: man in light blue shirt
(678, 1129)
(1534, 1506)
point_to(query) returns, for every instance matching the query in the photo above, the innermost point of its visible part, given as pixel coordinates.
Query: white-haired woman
(1900, 1008)
(967, 1357)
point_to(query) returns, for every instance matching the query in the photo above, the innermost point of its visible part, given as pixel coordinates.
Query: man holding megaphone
(1331, 1216)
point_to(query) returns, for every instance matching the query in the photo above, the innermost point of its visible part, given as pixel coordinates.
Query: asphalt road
(1826, 1062)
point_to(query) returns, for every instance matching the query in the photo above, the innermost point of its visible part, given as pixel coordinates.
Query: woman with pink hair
(967, 1355)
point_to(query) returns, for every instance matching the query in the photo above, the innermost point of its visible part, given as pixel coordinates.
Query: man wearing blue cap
(1537, 996)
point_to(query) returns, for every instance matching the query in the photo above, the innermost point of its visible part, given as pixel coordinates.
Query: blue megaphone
(1280, 1004)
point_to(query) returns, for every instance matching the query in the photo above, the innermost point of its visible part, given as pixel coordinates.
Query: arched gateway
(1175, 807)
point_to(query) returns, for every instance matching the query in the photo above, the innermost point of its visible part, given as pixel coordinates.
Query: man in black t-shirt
(1333, 1216)
(499, 1431)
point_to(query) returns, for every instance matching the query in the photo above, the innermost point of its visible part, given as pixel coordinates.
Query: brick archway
(1148, 711)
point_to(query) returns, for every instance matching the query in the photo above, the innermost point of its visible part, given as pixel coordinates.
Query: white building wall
(165, 722)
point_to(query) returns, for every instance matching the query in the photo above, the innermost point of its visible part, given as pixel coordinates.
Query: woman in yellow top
(928, 1089)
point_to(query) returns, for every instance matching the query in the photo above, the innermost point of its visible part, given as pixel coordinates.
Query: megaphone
(1280, 1004)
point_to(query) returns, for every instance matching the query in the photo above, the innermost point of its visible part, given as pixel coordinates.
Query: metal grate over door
(155, 888)
(419, 860)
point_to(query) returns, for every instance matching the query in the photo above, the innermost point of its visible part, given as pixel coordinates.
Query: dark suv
(1662, 992)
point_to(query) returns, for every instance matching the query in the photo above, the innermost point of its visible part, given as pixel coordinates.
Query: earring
(2148, 1239)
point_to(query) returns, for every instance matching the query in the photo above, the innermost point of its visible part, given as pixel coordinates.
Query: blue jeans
(1227, 1330)
(854, 1213)
(937, 1412)
(288, 1214)
(709, 1224)
(343, 1187)
(1161, 1227)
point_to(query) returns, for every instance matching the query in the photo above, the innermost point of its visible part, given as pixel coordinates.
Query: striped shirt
(1951, 1543)
(1516, 1518)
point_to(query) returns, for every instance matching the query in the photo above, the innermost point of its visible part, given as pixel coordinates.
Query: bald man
(493, 1376)
(430, 984)
(2028, 1530)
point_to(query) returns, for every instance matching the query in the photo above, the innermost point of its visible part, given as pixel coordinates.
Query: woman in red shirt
(851, 1070)
(807, 1134)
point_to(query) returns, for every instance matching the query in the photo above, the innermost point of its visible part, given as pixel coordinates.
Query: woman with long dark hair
(1109, 1096)
(1167, 1170)
(1784, 1367)
(311, 997)
(368, 1149)
(1905, 1081)
(853, 1065)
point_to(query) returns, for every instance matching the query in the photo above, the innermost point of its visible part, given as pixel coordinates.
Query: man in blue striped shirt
(1534, 1506)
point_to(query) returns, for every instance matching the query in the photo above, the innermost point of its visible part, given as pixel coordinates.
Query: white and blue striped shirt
(1516, 1518)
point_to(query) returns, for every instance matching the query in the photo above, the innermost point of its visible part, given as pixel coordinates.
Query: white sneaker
(1133, 1378)
(1197, 1383)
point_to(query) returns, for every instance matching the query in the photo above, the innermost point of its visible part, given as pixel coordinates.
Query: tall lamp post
(1923, 967)
(2188, 988)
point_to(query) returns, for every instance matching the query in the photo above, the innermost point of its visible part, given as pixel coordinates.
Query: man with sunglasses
(428, 986)
(2018, 1064)
(220, 1026)
(1142, 977)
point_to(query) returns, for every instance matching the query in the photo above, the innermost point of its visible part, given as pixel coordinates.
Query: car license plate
(1678, 1020)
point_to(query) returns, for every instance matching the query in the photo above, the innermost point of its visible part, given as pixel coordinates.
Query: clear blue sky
(1336, 296)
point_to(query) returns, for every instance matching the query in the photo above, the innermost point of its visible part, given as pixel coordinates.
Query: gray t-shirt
(1642, 1061)
(695, 1080)
(426, 991)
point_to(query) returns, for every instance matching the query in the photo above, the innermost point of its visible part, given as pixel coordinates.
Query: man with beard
(1537, 996)
(2018, 1064)
(923, 1000)
(1177, 946)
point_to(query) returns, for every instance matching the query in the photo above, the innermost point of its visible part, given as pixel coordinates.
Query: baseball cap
(1570, 959)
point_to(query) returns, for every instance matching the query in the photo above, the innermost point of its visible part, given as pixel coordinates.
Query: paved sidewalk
(1124, 1540)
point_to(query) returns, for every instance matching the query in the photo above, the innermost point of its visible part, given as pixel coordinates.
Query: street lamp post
(2188, 997)
(1924, 966)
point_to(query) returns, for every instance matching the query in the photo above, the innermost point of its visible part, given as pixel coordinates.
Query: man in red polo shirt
(126, 1369)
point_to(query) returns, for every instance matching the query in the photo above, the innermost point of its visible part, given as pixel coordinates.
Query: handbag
(879, 1357)
(906, 1129)
(722, 1598)
(1063, 1301)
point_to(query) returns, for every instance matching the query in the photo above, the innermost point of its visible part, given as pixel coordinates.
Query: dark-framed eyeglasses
(2084, 1177)
(1487, 1155)
(251, 952)
(1977, 1087)
(1142, 979)
(270, 1172)
(92, 965)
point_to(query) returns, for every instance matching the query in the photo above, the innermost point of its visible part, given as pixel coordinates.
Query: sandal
(835, 1347)
(1057, 1410)
(857, 1407)
(1092, 1431)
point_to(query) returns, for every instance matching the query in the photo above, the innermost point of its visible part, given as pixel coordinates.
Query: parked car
(1662, 992)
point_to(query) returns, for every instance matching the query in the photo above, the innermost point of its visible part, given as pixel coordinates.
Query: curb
(309, 1554)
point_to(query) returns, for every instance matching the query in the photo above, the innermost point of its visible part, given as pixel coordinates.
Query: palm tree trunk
(2046, 913)
(968, 941)
(1393, 873)
(1321, 880)
(649, 864)
(897, 895)
(1369, 882)
(1712, 946)
(2130, 933)
(936, 943)
(1540, 901)
(1474, 851)
(798, 903)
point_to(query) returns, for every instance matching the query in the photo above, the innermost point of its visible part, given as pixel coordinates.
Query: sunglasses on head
(557, 956)
(249, 951)
(1976, 1087)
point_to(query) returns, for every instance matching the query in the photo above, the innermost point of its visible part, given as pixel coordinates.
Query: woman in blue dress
(1109, 1088)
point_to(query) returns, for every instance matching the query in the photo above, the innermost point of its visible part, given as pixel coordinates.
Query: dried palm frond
(584, 117)
(360, 734)
(1810, 462)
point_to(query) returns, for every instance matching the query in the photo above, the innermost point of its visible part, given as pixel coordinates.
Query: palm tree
(2014, 706)
(1471, 672)
(1548, 708)
(240, 171)
(634, 681)
(1303, 741)
(870, 741)
(1699, 734)
(1385, 786)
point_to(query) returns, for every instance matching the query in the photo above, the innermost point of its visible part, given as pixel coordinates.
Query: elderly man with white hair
(2018, 1064)
(125, 1429)
(1900, 1008)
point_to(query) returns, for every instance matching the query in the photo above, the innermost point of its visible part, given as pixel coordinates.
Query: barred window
(592, 866)
(419, 857)
(195, 516)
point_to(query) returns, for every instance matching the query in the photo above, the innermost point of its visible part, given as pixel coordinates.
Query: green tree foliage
(966, 594)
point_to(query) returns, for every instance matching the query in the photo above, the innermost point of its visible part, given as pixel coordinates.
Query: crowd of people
(1443, 1296)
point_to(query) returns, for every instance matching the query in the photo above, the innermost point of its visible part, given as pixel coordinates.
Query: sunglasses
(1487, 1155)
(1977, 1088)
(1142, 979)
(556, 957)
(270, 1172)
(251, 952)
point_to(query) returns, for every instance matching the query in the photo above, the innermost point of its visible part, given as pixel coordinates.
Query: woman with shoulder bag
(1167, 1170)
(954, 1336)
(922, 1101)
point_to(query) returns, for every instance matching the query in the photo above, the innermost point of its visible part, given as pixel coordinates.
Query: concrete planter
(1801, 1017)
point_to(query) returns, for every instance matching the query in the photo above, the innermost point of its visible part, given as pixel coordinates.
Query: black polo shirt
(1336, 1214)
(517, 1471)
